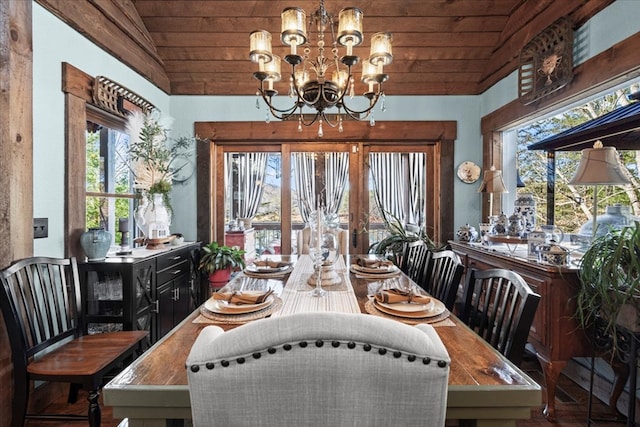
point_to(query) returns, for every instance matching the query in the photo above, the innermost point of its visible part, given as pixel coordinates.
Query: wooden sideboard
(151, 290)
(555, 334)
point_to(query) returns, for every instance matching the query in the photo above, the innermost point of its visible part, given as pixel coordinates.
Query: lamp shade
(492, 182)
(599, 166)
(350, 28)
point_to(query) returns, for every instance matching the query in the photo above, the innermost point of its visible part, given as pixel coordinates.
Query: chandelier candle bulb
(381, 49)
(350, 28)
(294, 24)
(260, 48)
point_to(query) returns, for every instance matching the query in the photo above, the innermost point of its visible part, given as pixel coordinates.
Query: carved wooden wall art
(546, 62)
(117, 99)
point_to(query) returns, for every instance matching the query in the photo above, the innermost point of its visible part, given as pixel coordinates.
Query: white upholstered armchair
(315, 369)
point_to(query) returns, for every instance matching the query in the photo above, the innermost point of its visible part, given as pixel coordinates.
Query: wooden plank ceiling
(201, 47)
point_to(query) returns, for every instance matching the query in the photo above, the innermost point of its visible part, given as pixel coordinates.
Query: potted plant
(219, 261)
(153, 163)
(609, 295)
(392, 246)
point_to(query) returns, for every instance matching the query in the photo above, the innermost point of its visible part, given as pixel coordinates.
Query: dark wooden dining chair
(415, 257)
(500, 306)
(442, 276)
(319, 368)
(41, 306)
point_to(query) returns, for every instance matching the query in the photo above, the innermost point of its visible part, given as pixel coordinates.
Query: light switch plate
(40, 228)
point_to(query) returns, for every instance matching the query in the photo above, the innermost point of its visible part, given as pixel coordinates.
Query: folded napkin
(271, 263)
(395, 295)
(373, 262)
(240, 298)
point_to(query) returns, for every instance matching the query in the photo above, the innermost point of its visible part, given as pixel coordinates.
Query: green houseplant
(610, 282)
(219, 260)
(392, 245)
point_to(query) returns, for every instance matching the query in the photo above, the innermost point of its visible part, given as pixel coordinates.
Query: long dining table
(484, 386)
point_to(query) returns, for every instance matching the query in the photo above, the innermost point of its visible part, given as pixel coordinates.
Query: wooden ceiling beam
(399, 54)
(401, 39)
(92, 22)
(273, 8)
(397, 67)
(393, 24)
(247, 87)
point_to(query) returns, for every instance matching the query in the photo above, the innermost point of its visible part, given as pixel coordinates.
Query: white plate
(266, 269)
(414, 311)
(374, 270)
(223, 307)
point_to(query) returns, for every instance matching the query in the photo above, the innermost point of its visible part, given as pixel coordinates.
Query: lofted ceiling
(201, 47)
(441, 47)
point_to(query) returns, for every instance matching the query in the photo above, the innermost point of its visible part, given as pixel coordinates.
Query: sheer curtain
(336, 178)
(304, 169)
(248, 171)
(333, 183)
(399, 186)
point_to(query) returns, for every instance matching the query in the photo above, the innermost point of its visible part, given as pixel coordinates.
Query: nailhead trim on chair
(319, 343)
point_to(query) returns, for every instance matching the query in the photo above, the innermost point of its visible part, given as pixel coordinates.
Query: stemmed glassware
(317, 250)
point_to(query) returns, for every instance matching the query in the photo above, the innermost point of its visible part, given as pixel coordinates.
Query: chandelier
(321, 82)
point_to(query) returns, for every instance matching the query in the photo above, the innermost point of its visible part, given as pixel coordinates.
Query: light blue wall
(464, 109)
(54, 42)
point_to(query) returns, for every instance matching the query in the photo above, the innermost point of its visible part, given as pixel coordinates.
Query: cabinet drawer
(172, 272)
(171, 259)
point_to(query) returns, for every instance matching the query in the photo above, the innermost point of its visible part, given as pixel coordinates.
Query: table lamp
(599, 166)
(123, 227)
(492, 182)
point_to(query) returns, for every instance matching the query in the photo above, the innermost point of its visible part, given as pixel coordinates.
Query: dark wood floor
(571, 406)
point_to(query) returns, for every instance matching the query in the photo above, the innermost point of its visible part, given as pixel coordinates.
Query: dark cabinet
(150, 290)
(174, 282)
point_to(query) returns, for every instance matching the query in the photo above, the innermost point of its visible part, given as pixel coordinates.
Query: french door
(365, 184)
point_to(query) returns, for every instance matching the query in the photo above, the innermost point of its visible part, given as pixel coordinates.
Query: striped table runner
(296, 295)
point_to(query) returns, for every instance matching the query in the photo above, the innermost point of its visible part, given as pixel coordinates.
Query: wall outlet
(40, 228)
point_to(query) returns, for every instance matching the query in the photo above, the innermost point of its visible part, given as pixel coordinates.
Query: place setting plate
(224, 307)
(410, 310)
(432, 312)
(221, 311)
(375, 272)
(254, 270)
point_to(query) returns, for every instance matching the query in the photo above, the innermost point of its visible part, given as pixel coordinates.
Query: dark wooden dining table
(483, 385)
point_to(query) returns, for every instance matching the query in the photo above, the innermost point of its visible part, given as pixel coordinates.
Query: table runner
(296, 295)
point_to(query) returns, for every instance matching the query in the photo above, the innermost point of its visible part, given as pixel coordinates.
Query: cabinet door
(143, 285)
(173, 304)
(182, 299)
(165, 310)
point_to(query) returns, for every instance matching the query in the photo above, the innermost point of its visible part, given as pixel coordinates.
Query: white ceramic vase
(153, 217)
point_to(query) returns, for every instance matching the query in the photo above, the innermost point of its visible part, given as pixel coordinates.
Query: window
(572, 205)
(109, 195)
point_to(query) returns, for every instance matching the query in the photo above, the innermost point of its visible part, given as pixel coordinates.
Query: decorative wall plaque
(546, 62)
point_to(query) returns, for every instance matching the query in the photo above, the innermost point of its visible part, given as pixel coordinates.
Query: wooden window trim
(441, 134)
(78, 88)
